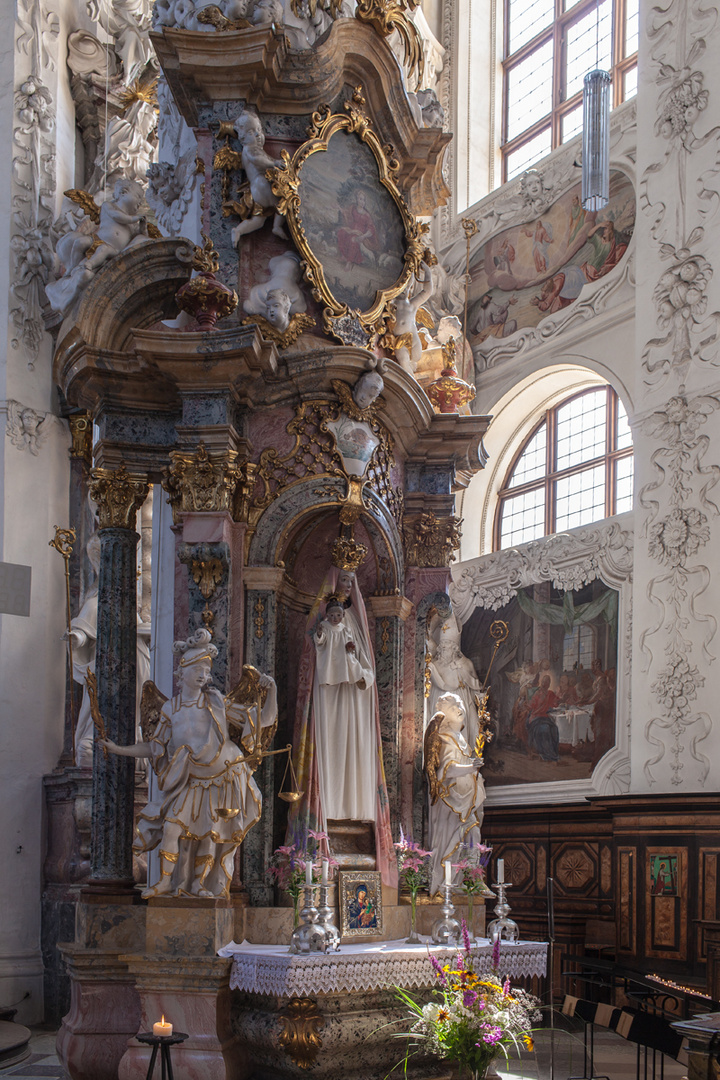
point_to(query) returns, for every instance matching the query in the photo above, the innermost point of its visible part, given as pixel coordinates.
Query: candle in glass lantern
(162, 1027)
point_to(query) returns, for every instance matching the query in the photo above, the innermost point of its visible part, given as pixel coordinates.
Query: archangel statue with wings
(205, 798)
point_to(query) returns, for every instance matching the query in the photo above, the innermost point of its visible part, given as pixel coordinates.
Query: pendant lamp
(596, 140)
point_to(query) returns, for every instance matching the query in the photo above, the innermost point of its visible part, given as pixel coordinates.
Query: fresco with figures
(552, 683)
(531, 271)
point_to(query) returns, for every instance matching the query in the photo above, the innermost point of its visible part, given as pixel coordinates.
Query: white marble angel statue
(206, 796)
(451, 671)
(256, 161)
(457, 789)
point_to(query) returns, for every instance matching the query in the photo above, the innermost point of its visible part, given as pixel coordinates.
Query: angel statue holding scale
(205, 796)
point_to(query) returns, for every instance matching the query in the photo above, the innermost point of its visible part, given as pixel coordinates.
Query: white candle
(500, 871)
(448, 873)
(162, 1027)
(324, 871)
(308, 874)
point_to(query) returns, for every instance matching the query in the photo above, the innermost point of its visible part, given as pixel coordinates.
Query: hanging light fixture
(596, 131)
(596, 140)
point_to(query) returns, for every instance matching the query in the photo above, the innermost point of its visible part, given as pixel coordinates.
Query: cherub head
(249, 131)
(277, 309)
(128, 195)
(368, 387)
(267, 12)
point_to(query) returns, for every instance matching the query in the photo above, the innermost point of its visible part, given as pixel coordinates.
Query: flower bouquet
(287, 865)
(474, 1018)
(473, 866)
(413, 874)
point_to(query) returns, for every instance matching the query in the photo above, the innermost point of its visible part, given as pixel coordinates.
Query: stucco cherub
(256, 161)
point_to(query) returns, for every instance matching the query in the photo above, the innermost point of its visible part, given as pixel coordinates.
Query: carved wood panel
(709, 895)
(666, 914)
(627, 908)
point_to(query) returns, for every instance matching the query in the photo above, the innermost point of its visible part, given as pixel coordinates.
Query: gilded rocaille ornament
(430, 540)
(283, 338)
(387, 16)
(118, 495)
(449, 392)
(200, 483)
(301, 1020)
(204, 297)
(207, 575)
(347, 554)
(81, 432)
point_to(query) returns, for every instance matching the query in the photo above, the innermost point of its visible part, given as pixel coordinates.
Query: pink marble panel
(94, 1035)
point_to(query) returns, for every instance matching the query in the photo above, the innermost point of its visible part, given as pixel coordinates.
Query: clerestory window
(575, 468)
(550, 45)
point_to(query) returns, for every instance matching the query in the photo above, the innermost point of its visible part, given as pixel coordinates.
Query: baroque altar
(257, 374)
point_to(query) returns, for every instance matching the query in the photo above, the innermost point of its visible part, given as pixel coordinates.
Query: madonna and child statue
(338, 749)
(203, 748)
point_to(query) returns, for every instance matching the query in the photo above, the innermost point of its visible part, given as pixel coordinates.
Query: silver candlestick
(502, 927)
(326, 923)
(446, 930)
(308, 936)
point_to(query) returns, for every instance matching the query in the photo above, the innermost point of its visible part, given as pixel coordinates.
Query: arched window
(550, 45)
(575, 468)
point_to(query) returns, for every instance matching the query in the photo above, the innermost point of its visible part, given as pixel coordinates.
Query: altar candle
(448, 873)
(501, 871)
(162, 1027)
(324, 872)
(308, 874)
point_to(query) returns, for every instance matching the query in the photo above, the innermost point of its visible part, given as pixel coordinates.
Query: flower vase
(414, 939)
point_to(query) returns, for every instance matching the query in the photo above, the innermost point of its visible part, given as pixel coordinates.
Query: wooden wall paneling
(627, 903)
(708, 894)
(666, 916)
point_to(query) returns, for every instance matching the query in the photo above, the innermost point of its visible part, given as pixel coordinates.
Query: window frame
(549, 480)
(557, 31)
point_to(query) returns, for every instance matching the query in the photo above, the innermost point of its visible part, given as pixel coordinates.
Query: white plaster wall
(33, 499)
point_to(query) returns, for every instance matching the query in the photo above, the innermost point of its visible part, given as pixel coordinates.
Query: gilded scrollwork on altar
(118, 495)
(348, 218)
(321, 446)
(430, 540)
(200, 482)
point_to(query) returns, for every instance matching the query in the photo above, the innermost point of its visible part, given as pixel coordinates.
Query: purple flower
(506, 987)
(496, 954)
(469, 998)
(465, 936)
(438, 970)
(492, 1035)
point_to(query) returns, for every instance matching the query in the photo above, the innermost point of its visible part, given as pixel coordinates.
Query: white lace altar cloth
(271, 969)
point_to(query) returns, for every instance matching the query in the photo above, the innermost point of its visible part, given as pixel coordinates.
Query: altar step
(352, 843)
(14, 1043)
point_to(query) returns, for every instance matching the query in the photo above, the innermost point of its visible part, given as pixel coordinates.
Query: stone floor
(43, 1063)
(614, 1058)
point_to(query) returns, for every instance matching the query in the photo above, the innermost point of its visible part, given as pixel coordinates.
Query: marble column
(390, 613)
(262, 584)
(118, 495)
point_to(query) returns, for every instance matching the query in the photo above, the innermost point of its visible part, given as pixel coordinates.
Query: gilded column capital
(118, 495)
(81, 433)
(200, 482)
(430, 540)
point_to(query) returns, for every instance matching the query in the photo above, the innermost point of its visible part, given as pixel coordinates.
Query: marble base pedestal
(280, 1035)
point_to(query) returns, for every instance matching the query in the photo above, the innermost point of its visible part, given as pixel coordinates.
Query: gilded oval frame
(286, 182)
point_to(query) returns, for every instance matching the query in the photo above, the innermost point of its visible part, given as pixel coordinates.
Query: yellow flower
(528, 1042)
(443, 1015)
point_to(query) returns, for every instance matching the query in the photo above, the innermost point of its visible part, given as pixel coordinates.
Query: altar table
(338, 1013)
(271, 969)
(574, 725)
